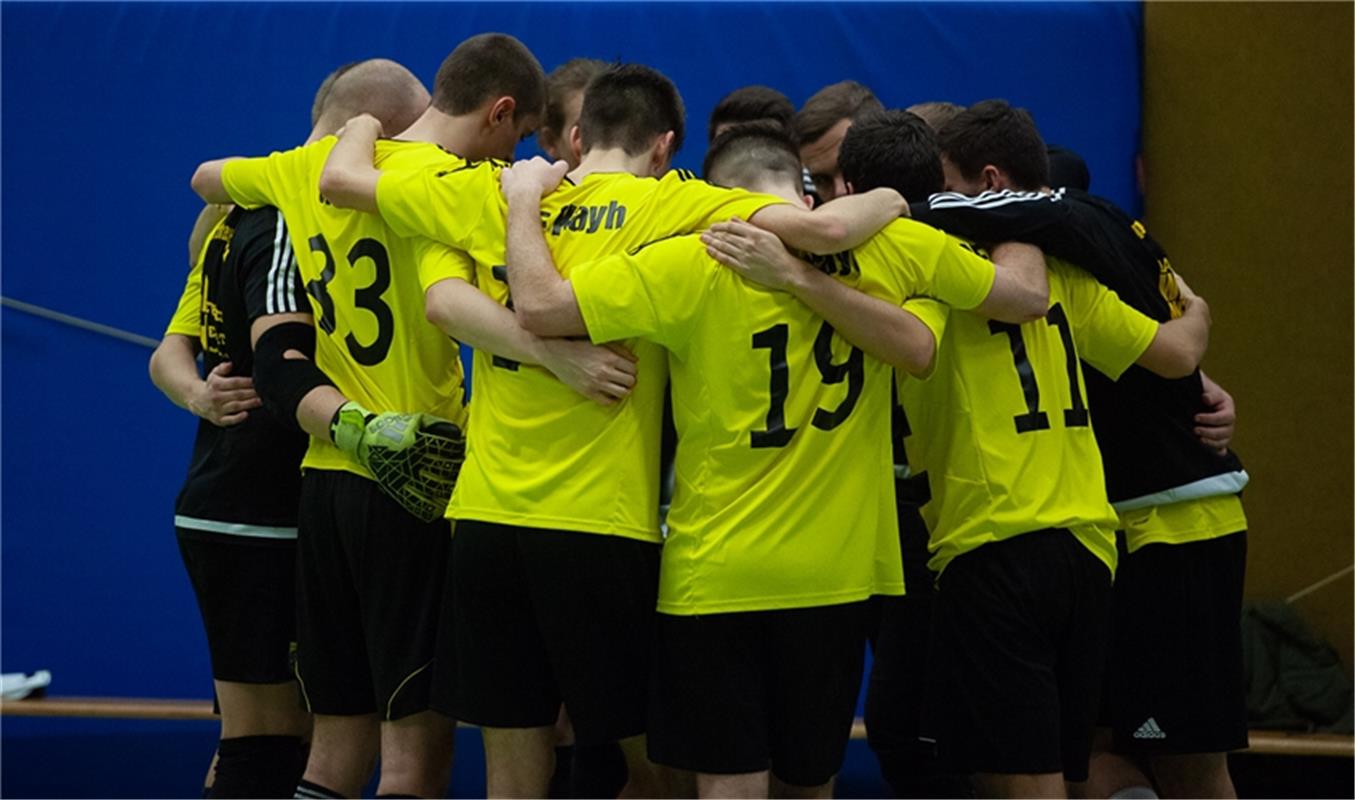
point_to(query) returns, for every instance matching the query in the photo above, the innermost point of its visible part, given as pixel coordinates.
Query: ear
(662, 154)
(808, 201)
(850, 189)
(576, 143)
(501, 111)
(993, 179)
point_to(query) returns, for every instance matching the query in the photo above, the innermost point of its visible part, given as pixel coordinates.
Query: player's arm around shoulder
(1180, 344)
(543, 301)
(841, 224)
(880, 328)
(350, 176)
(246, 182)
(207, 181)
(1020, 291)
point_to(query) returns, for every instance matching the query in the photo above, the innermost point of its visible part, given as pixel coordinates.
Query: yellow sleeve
(936, 316)
(438, 262)
(443, 205)
(252, 182)
(909, 259)
(1108, 333)
(654, 294)
(962, 279)
(690, 204)
(187, 319)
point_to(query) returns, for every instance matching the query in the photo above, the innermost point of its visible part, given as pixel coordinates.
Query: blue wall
(109, 106)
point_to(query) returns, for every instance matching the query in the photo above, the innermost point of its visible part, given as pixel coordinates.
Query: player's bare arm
(220, 399)
(881, 329)
(543, 301)
(835, 226)
(470, 316)
(207, 181)
(1020, 290)
(349, 178)
(1215, 427)
(1180, 344)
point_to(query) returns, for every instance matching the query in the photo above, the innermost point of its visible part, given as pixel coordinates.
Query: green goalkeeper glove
(415, 458)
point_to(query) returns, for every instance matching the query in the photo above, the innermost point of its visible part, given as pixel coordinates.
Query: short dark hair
(487, 66)
(628, 106)
(892, 148)
(563, 81)
(993, 132)
(832, 104)
(1067, 168)
(752, 104)
(753, 153)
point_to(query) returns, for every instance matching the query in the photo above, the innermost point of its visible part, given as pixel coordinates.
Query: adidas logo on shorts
(1150, 730)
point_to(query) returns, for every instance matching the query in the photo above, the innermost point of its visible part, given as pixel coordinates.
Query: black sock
(599, 770)
(305, 790)
(206, 792)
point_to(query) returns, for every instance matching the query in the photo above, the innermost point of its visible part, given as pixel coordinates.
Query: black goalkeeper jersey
(1144, 423)
(244, 479)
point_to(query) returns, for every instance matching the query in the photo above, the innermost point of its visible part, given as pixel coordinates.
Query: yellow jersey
(187, 318)
(1182, 523)
(538, 454)
(366, 285)
(784, 482)
(908, 259)
(1001, 428)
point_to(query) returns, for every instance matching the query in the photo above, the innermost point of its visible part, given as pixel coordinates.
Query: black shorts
(542, 617)
(749, 691)
(1019, 642)
(245, 590)
(369, 592)
(1174, 678)
(901, 645)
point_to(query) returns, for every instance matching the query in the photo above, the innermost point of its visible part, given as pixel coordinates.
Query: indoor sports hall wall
(1247, 142)
(107, 108)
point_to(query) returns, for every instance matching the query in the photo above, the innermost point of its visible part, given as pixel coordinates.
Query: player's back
(539, 454)
(366, 286)
(1145, 423)
(784, 494)
(1001, 426)
(242, 475)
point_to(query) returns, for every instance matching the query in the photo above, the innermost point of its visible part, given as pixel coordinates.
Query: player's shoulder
(919, 241)
(403, 154)
(252, 221)
(910, 229)
(681, 176)
(1070, 284)
(685, 181)
(676, 247)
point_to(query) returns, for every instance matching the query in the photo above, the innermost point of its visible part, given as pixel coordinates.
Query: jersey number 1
(1034, 419)
(853, 370)
(366, 297)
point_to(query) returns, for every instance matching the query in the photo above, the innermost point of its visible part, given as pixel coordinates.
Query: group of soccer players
(832, 389)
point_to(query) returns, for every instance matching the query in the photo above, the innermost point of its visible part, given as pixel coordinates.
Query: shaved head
(760, 156)
(377, 86)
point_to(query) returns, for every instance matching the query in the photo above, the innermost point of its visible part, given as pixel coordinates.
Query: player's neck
(456, 134)
(612, 159)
